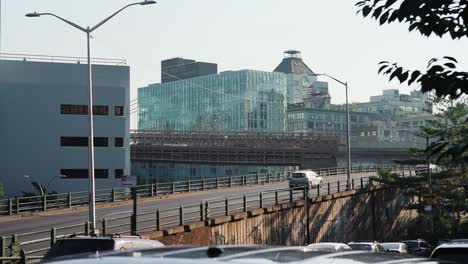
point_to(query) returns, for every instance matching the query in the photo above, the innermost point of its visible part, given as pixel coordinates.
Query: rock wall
(377, 214)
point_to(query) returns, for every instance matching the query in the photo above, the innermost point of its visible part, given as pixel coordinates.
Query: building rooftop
(60, 59)
(292, 63)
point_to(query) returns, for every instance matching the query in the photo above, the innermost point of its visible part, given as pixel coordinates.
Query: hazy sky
(240, 34)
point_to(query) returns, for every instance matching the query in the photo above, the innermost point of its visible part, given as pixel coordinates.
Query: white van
(304, 178)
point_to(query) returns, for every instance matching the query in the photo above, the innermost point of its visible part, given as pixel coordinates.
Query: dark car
(454, 251)
(418, 247)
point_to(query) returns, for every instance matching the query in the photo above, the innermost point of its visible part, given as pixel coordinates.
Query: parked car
(257, 255)
(330, 247)
(396, 247)
(63, 248)
(367, 246)
(304, 178)
(423, 168)
(418, 247)
(452, 251)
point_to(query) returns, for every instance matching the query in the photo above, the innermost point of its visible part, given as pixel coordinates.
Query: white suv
(304, 178)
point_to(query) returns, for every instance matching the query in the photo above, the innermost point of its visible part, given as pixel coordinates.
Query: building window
(118, 173)
(118, 142)
(82, 142)
(119, 110)
(83, 173)
(67, 109)
(101, 173)
(363, 134)
(101, 142)
(374, 133)
(74, 173)
(74, 141)
(100, 110)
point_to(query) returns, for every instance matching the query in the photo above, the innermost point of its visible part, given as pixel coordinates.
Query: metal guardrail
(47, 202)
(33, 244)
(60, 59)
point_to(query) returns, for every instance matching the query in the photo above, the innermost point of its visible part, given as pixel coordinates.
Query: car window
(459, 255)
(360, 247)
(78, 246)
(411, 244)
(298, 175)
(391, 246)
(380, 248)
(424, 245)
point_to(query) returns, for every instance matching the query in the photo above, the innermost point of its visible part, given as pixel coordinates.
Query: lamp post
(48, 183)
(38, 183)
(348, 129)
(88, 31)
(53, 178)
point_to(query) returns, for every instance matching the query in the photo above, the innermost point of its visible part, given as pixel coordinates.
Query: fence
(30, 245)
(46, 202)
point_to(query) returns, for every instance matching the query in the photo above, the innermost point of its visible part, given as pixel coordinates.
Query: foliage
(2, 191)
(438, 17)
(451, 130)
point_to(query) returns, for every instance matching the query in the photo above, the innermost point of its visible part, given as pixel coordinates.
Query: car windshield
(360, 247)
(298, 175)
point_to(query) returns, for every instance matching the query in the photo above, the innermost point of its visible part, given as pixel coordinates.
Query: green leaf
(382, 68)
(450, 65)
(413, 77)
(403, 77)
(384, 17)
(366, 10)
(389, 3)
(396, 73)
(451, 58)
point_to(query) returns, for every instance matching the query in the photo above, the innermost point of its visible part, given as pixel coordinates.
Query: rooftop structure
(179, 69)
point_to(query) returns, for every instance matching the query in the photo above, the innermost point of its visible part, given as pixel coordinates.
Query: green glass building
(231, 101)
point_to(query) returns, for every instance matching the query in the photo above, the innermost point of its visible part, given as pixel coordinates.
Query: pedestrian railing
(33, 245)
(18, 205)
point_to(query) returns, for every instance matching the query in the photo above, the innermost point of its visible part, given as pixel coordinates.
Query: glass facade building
(234, 101)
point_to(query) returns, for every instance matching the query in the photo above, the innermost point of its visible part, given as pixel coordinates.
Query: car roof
(453, 245)
(264, 255)
(362, 243)
(304, 171)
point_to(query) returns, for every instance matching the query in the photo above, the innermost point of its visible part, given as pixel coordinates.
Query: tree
(2, 191)
(438, 17)
(451, 126)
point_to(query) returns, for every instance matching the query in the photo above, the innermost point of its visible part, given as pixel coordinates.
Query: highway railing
(18, 205)
(34, 244)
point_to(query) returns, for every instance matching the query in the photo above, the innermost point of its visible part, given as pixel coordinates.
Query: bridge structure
(238, 148)
(305, 150)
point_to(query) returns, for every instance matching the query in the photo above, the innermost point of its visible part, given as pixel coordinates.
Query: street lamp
(348, 128)
(87, 31)
(48, 183)
(61, 176)
(38, 183)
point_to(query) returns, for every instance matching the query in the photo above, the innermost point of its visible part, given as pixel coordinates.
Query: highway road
(46, 220)
(26, 227)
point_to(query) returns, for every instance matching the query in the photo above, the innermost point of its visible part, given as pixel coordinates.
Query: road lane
(45, 221)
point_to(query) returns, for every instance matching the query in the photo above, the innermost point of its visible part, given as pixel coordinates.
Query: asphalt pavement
(70, 217)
